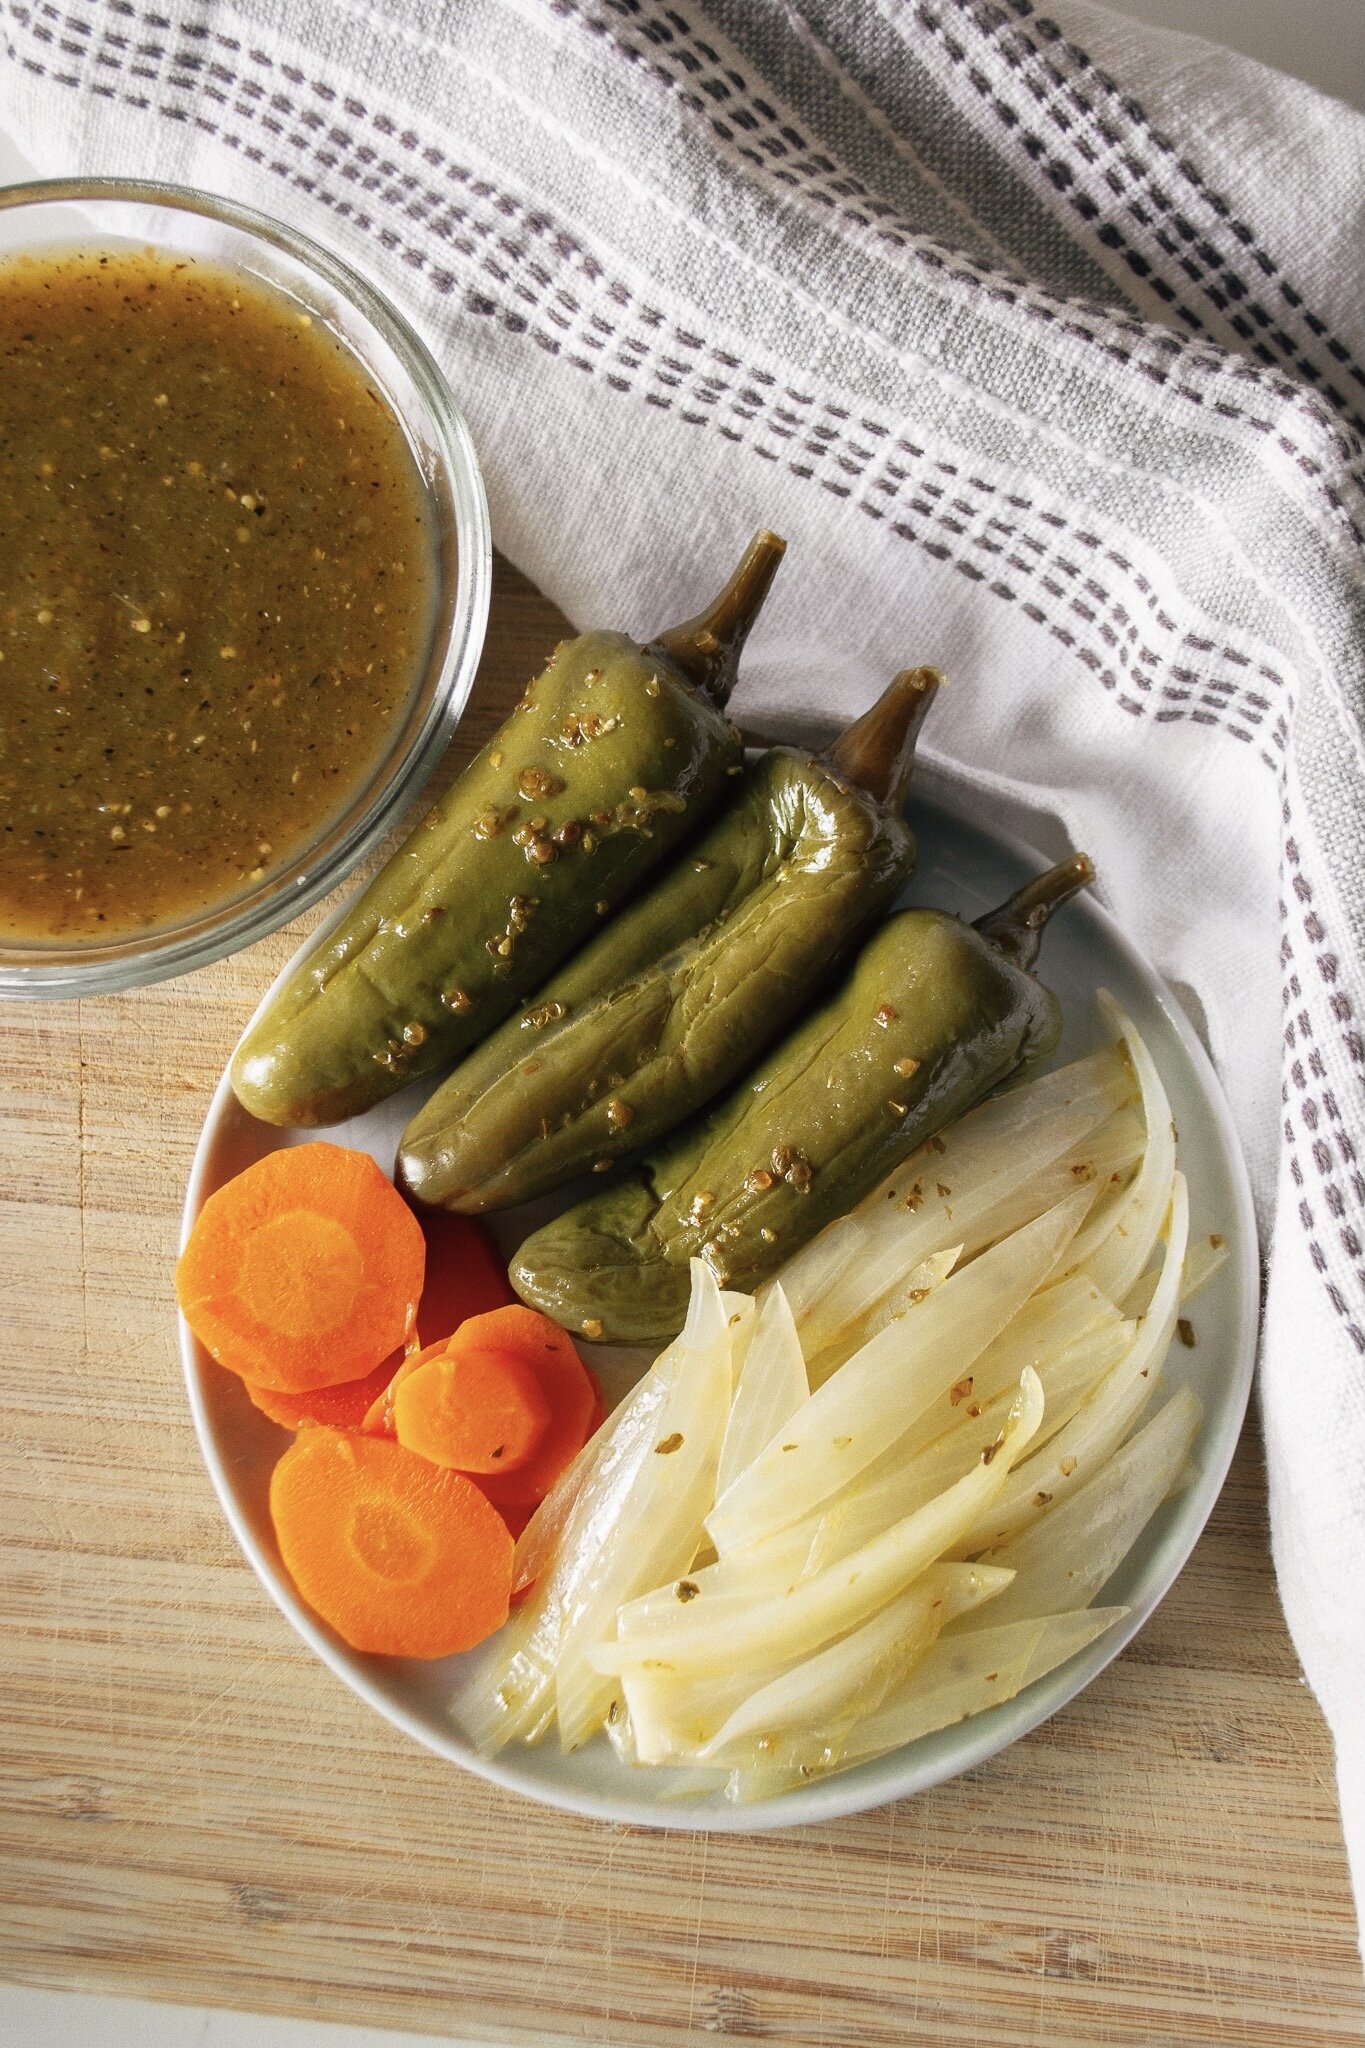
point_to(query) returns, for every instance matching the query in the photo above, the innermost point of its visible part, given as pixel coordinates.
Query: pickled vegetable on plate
(912, 1539)
(685, 989)
(933, 1014)
(615, 755)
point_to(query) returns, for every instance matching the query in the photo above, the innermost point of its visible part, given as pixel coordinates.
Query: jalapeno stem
(877, 752)
(1016, 928)
(707, 648)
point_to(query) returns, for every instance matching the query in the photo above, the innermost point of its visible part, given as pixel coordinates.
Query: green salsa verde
(216, 588)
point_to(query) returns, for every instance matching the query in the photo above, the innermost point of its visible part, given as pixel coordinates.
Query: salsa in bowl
(244, 566)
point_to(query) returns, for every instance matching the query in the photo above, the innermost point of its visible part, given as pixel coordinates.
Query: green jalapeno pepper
(933, 1014)
(614, 755)
(687, 986)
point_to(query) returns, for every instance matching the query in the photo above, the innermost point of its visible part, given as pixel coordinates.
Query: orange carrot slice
(466, 1274)
(303, 1271)
(401, 1558)
(340, 1407)
(566, 1385)
(378, 1417)
(482, 1411)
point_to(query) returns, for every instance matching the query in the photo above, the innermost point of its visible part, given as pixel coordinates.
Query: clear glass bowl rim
(119, 964)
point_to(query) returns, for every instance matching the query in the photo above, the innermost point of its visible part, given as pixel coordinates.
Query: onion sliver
(1076, 1548)
(1102, 1422)
(509, 1690)
(826, 1693)
(1204, 1258)
(965, 1673)
(976, 1163)
(1119, 1239)
(772, 1386)
(899, 1483)
(1069, 1313)
(716, 1635)
(654, 1534)
(908, 1292)
(882, 1390)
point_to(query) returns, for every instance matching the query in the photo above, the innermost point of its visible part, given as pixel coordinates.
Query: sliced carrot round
(401, 1558)
(341, 1407)
(464, 1276)
(564, 1380)
(483, 1411)
(303, 1271)
(378, 1417)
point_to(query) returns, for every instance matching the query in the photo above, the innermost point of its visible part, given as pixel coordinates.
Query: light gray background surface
(1322, 41)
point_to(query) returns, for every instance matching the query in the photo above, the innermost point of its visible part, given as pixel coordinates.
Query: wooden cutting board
(191, 1807)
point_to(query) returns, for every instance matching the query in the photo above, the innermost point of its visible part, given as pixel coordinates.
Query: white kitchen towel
(1039, 335)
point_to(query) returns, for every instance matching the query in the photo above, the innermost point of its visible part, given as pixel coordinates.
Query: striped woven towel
(1040, 336)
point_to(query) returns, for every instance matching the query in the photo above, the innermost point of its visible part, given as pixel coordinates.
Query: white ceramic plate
(962, 867)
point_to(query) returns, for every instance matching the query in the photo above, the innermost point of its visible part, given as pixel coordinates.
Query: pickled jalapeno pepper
(689, 985)
(933, 1014)
(615, 755)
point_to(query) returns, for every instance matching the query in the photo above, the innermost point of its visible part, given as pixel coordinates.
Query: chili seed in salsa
(216, 588)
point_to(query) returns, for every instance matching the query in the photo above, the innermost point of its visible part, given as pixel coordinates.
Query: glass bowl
(106, 213)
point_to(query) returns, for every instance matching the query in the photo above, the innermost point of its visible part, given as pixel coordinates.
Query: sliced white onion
(1102, 1422)
(654, 1534)
(1119, 1238)
(1074, 1550)
(715, 1635)
(907, 1293)
(1205, 1257)
(966, 1673)
(772, 1386)
(508, 1691)
(1070, 1314)
(820, 1698)
(899, 1483)
(752, 1584)
(977, 1162)
(886, 1386)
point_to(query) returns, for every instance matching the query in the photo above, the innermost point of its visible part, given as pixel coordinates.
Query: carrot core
(301, 1272)
(401, 1558)
(388, 1542)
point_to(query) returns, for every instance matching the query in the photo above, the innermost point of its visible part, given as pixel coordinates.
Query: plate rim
(843, 1793)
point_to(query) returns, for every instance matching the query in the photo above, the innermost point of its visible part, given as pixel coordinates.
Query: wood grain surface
(191, 1807)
